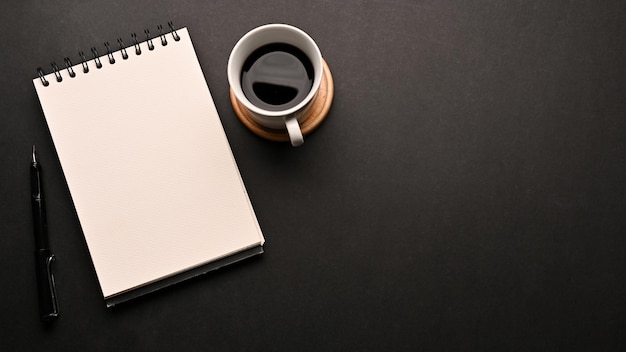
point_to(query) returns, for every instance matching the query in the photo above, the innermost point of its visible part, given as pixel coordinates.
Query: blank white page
(150, 171)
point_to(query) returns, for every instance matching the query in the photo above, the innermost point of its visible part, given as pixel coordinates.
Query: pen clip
(48, 308)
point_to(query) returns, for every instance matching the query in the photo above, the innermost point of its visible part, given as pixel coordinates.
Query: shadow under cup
(275, 34)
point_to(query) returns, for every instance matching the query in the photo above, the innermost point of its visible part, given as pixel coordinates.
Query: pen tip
(34, 157)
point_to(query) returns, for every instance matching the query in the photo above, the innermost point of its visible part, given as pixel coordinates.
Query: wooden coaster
(318, 111)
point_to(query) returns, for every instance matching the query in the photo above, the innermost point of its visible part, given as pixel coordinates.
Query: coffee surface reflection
(277, 77)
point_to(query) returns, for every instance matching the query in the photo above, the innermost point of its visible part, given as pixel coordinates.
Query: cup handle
(293, 128)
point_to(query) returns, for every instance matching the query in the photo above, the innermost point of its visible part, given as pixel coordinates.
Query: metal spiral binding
(136, 44)
(83, 61)
(109, 52)
(43, 79)
(163, 39)
(55, 69)
(148, 39)
(173, 31)
(68, 66)
(96, 57)
(122, 49)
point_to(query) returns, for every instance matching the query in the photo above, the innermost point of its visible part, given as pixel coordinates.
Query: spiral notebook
(154, 183)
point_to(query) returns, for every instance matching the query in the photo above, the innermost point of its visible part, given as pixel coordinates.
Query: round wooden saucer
(318, 112)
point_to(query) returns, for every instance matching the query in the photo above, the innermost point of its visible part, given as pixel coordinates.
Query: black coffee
(277, 77)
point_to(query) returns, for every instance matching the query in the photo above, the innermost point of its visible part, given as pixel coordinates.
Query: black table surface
(466, 192)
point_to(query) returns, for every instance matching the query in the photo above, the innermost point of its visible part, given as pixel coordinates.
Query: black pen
(48, 309)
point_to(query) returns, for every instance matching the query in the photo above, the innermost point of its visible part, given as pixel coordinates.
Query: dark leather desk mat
(466, 192)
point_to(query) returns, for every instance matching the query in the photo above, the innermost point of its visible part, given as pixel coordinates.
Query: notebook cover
(150, 170)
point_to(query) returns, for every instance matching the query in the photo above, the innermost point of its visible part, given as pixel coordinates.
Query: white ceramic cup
(268, 34)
